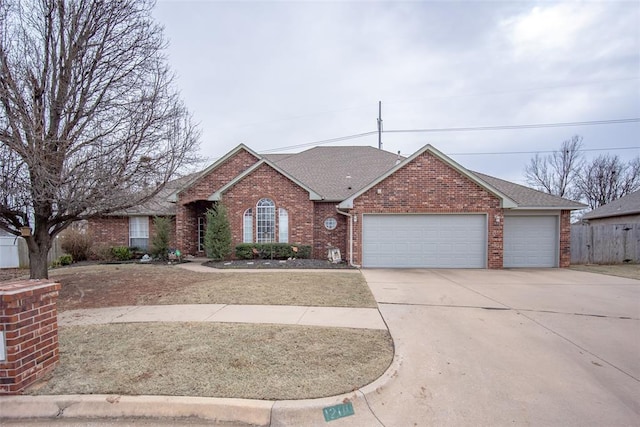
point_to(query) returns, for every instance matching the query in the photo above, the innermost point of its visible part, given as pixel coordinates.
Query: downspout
(350, 237)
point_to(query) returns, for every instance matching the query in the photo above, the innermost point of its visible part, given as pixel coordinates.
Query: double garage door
(424, 241)
(456, 241)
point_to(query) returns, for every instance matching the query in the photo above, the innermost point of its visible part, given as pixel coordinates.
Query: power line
(324, 141)
(540, 152)
(508, 127)
(461, 129)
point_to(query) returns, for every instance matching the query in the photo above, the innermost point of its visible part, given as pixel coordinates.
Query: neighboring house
(624, 210)
(609, 234)
(377, 208)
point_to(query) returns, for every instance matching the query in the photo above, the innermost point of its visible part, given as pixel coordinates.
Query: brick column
(29, 333)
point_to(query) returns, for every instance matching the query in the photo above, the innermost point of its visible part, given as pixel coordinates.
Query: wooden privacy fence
(605, 243)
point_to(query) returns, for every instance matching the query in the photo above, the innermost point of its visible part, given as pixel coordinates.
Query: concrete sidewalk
(339, 317)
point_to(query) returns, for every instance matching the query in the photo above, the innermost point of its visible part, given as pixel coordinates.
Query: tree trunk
(39, 244)
(38, 263)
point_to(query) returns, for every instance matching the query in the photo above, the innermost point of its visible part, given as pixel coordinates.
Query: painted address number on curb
(338, 411)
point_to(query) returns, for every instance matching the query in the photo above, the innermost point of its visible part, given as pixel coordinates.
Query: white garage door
(424, 241)
(531, 241)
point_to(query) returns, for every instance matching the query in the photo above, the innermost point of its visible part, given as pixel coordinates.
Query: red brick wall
(109, 231)
(187, 213)
(221, 175)
(324, 239)
(428, 185)
(114, 231)
(265, 182)
(565, 239)
(29, 320)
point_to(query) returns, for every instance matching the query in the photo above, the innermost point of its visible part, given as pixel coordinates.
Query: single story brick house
(378, 208)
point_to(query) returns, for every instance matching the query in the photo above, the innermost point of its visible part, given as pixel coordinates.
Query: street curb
(306, 412)
(252, 412)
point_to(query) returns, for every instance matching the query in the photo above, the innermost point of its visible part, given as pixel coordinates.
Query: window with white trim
(330, 223)
(265, 221)
(247, 226)
(139, 232)
(283, 226)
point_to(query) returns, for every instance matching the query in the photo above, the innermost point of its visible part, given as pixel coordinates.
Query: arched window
(283, 226)
(265, 221)
(247, 226)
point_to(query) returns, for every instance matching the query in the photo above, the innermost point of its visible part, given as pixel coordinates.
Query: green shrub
(217, 237)
(272, 251)
(160, 241)
(121, 253)
(65, 259)
(77, 244)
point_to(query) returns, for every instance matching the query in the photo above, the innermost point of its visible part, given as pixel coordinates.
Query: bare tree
(89, 120)
(556, 173)
(608, 178)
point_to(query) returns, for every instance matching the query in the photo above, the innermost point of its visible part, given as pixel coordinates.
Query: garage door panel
(531, 241)
(431, 241)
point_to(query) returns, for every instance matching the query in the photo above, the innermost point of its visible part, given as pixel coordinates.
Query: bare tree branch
(608, 178)
(88, 114)
(556, 173)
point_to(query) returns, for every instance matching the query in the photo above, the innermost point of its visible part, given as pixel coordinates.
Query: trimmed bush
(121, 253)
(65, 259)
(76, 244)
(272, 251)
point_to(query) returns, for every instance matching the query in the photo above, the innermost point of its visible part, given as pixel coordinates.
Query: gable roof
(337, 172)
(626, 205)
(217, 195)
(173, 197)
(340, 174)
(528, 198)
(506, 202)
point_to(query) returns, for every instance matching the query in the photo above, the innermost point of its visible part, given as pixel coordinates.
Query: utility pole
(379, 125)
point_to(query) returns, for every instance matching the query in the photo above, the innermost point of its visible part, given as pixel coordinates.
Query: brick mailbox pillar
(28, 333)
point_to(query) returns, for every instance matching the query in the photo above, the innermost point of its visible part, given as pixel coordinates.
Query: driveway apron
(510, 347)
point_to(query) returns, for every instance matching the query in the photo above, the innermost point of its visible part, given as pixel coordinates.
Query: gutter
(350, 236)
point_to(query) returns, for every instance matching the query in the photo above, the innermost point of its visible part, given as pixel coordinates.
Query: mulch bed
(279, 264)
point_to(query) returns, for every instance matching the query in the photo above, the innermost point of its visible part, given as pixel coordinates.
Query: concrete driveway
(510, 347)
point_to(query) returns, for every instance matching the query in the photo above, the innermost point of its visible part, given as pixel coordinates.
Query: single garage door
(531, 241)
(424, 241)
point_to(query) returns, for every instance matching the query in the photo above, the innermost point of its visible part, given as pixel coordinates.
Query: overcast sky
(281, 74)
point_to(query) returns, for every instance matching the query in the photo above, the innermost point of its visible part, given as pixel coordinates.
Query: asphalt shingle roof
(159, 204)
(337, 172)
(527, 197)
(626, 205)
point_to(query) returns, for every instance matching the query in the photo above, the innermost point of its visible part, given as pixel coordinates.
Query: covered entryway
(531, 241)
(424, 241)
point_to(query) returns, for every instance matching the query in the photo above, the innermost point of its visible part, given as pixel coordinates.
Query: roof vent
(398, 158)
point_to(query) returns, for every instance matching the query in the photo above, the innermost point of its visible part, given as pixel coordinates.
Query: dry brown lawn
(217, 360)
(96, 286)
(631, 271)
(213, 359)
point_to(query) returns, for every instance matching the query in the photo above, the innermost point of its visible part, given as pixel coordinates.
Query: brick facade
(114, 231)
(324, 239)
(192, 201)
(29, 322)
(266, 182)
(429, 185)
